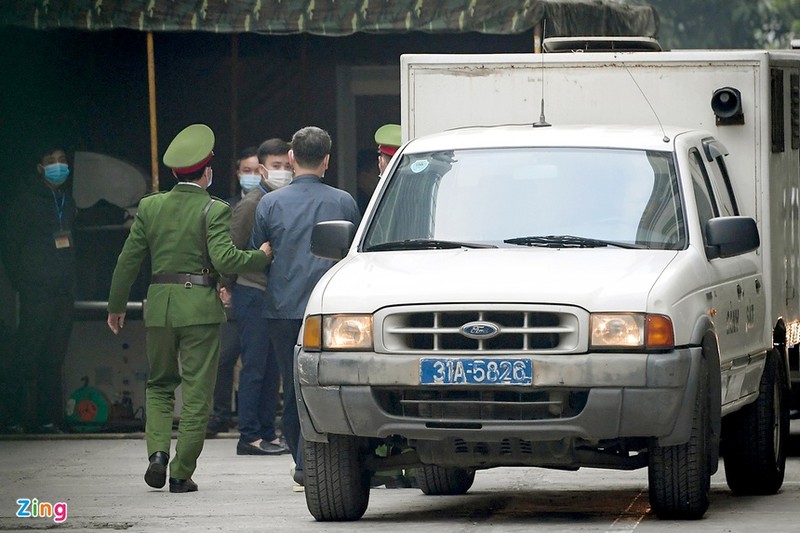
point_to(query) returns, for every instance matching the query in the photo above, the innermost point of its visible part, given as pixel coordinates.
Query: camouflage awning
(335, 17)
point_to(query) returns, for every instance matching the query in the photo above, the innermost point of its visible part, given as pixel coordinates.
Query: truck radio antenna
(666, 138)
(542, 123)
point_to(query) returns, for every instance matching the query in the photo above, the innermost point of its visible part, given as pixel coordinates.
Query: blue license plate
(468, 371)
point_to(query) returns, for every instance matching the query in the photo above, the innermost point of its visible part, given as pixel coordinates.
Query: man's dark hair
(247, 153)
(270, 147)
(192, 176)
(51, 148)
(310, 145)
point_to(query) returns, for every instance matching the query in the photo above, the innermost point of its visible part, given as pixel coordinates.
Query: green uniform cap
(389, 135)
(191, 149)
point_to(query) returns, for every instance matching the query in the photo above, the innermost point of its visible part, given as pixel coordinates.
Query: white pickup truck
(565, 296)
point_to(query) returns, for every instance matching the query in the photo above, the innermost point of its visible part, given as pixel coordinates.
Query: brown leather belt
(187, 280)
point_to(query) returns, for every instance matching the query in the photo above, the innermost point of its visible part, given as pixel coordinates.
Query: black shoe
(398, 482)
(275, 449)
(298, 477)
(182, 485)
(379, 480)
(390, 481)
(156, 475)
(263, 448)
(215, 426)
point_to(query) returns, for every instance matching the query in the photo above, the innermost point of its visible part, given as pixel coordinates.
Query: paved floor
(101, 482)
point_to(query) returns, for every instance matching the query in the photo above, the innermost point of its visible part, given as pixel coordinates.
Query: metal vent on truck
(446, 407)
(600, 44)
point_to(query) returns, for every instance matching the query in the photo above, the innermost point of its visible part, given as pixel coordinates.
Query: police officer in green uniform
(388, 138)
(185, 231)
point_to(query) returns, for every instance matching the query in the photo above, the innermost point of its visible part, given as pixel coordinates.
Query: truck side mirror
(332, 239)
(730, 236)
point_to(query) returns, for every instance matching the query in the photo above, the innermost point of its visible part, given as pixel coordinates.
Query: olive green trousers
(185, 356)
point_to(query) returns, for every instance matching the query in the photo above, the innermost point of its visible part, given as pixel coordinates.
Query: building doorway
(367, 98)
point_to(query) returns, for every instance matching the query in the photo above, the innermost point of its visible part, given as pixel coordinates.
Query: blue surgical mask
(249, 181)
(56, 173)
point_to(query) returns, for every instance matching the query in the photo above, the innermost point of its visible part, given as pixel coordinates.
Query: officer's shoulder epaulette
(219, 200)
(154, 193)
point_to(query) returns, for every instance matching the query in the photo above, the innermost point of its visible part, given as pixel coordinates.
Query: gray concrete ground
(100, 481)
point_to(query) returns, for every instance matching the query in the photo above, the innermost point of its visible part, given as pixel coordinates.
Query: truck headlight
(631, 331)
(338, 332)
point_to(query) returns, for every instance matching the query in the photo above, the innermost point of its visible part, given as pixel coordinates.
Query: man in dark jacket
(222, 416)
(259, 378)
(39, 256)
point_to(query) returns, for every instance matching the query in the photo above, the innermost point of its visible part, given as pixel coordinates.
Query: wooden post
(234, 109)
(151, 85)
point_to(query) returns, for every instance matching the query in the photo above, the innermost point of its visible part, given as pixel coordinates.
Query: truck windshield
(524, 196)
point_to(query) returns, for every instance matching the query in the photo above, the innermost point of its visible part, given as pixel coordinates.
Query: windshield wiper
(425, 244)
(568, 241)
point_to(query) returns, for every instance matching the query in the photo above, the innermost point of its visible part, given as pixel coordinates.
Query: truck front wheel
(754, 438)
(680, 476)
(336, 482)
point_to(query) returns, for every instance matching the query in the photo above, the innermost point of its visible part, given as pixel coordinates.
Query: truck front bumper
(603, 396)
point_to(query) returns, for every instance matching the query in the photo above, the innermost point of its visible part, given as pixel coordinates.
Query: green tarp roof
(335, 17)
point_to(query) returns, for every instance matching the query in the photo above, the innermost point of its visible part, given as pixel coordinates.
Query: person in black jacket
(221, 415)
(39, 257)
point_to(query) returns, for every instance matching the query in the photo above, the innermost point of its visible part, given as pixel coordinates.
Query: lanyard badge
(62, 237)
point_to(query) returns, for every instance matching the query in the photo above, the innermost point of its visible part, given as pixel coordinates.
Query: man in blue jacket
(286, 218)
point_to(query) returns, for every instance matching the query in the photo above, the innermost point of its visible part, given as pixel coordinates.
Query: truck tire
(679, 476)
(336, 483)
(436, 480)
(755, 437)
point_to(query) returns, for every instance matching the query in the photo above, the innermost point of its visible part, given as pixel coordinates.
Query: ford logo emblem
(480, 330)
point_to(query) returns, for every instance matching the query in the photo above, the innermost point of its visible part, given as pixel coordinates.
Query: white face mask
(278, 178)
(210, 177)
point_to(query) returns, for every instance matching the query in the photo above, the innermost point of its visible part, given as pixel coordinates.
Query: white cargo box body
(447, 91)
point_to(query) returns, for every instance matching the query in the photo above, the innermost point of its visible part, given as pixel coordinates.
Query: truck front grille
(511, 331)
(447, 404)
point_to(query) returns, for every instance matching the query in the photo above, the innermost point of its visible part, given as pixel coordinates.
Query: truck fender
(705, 336)
(705, 339)
(307, 429)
